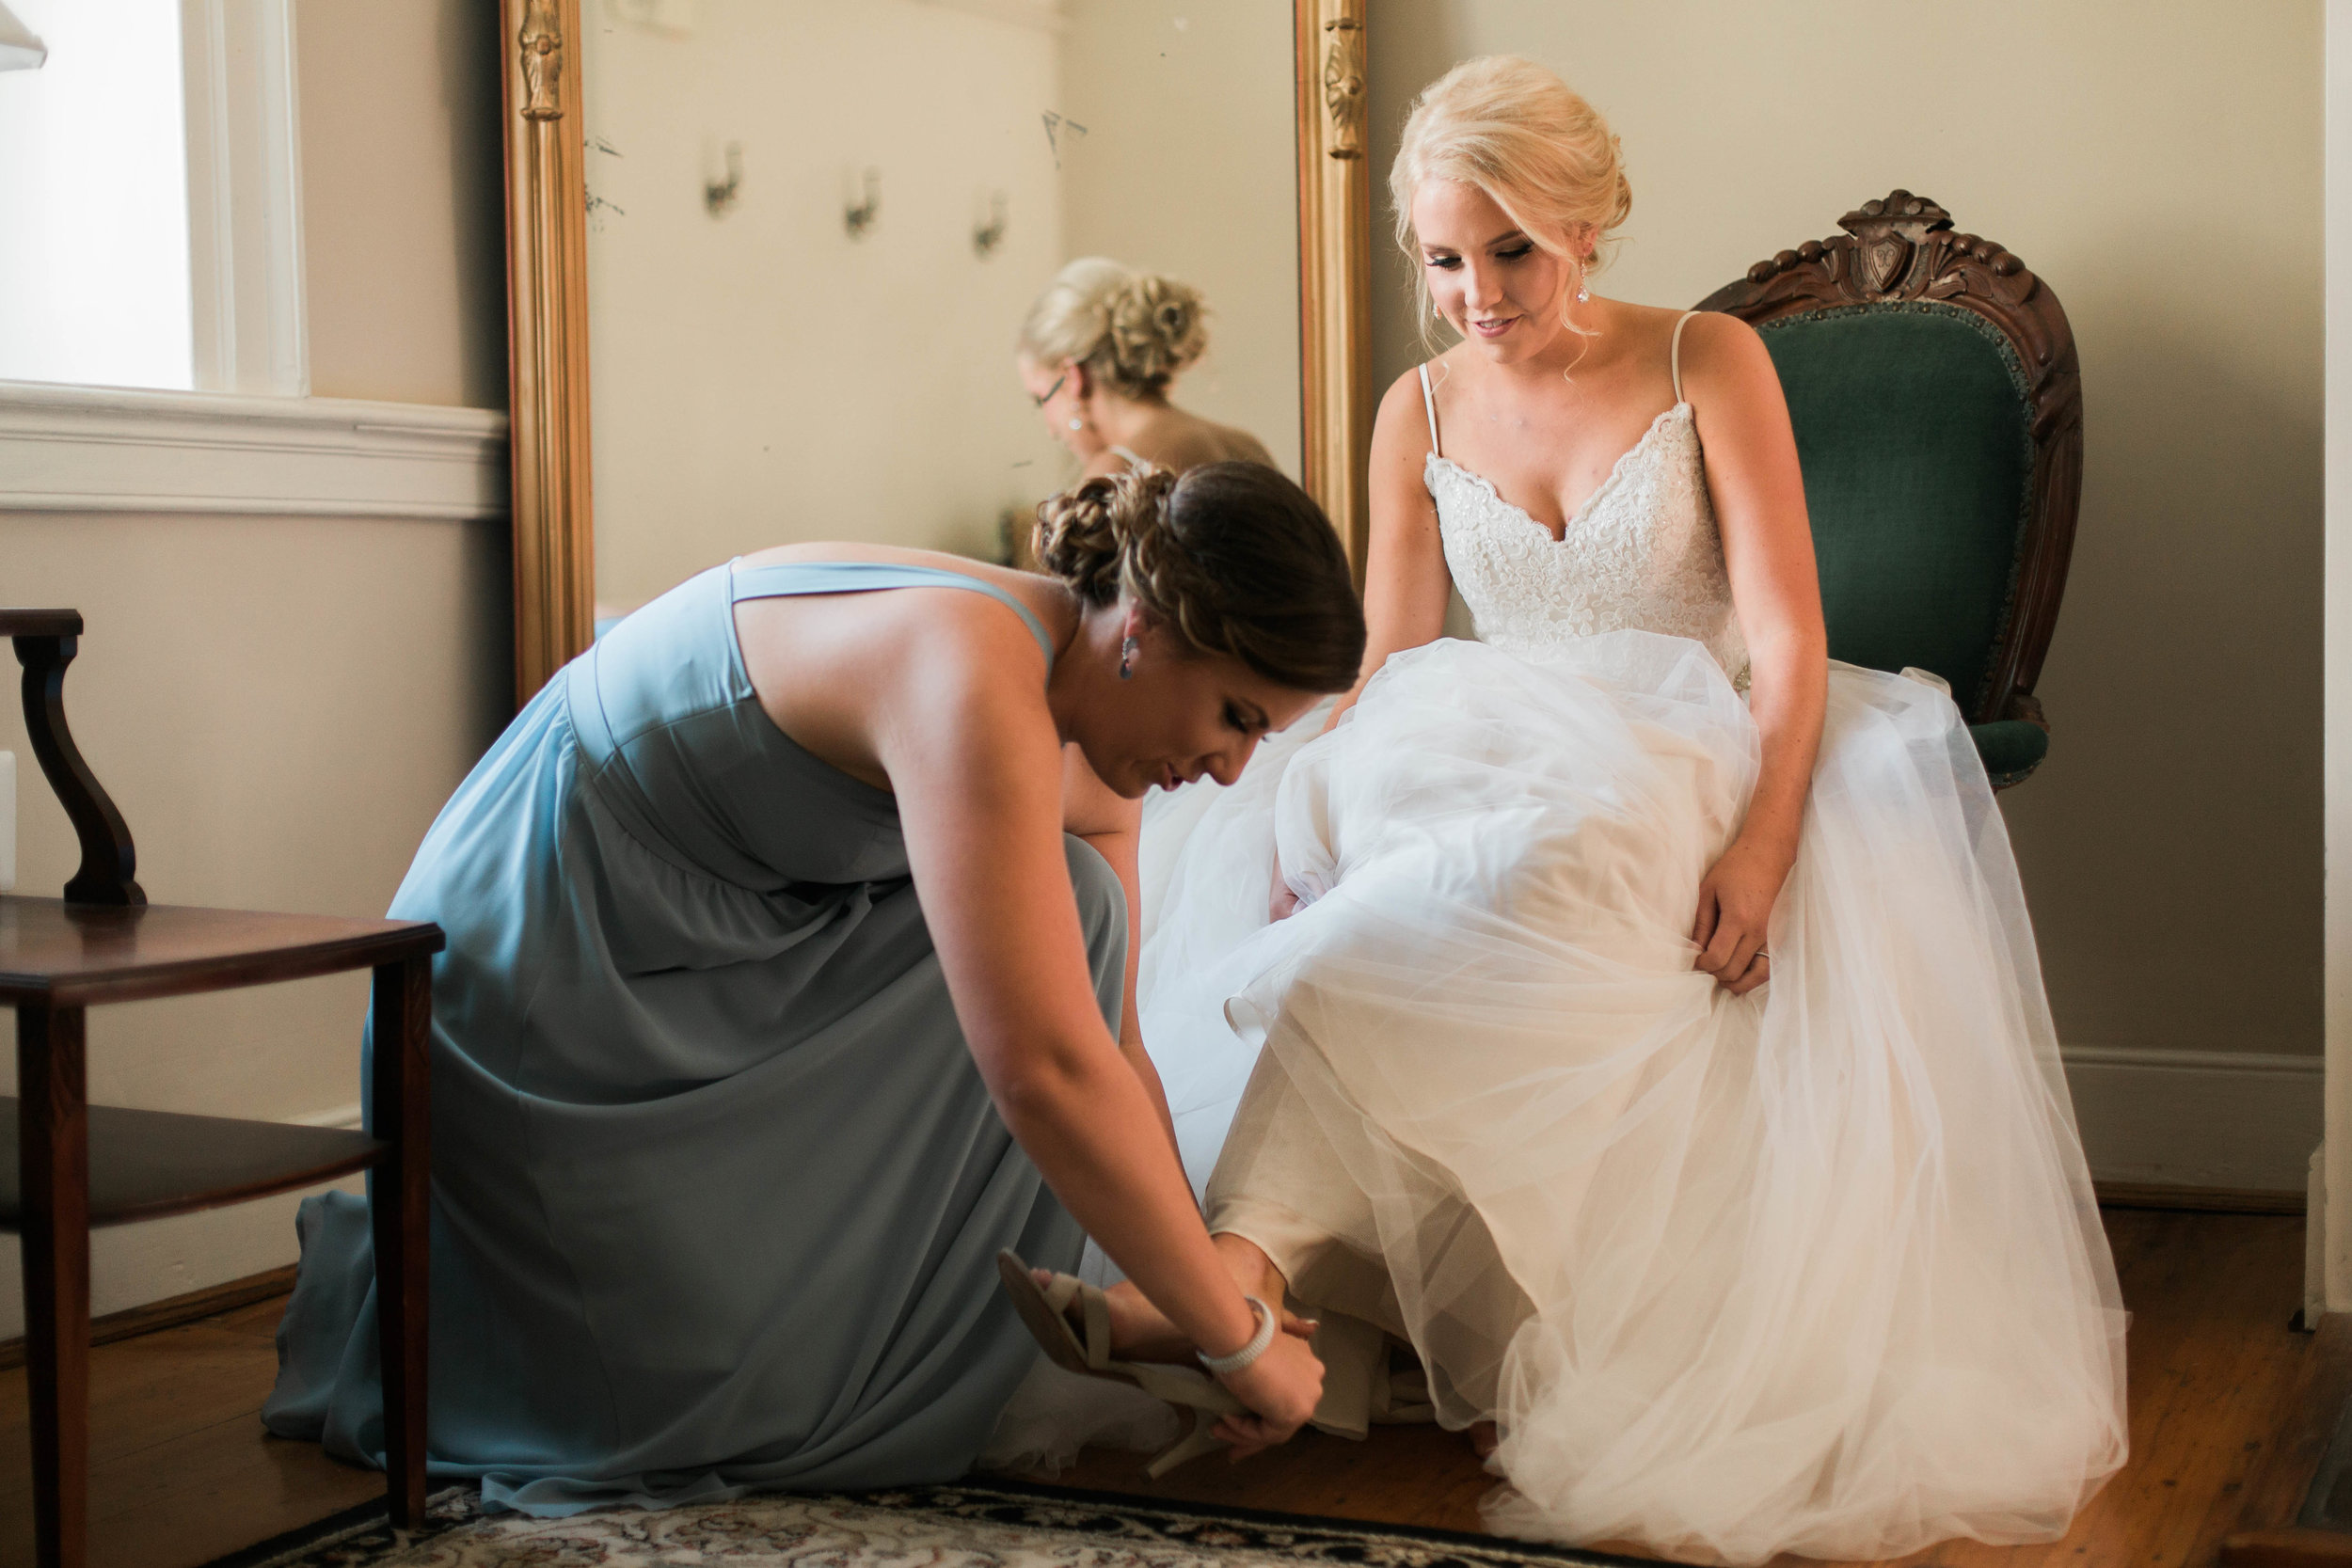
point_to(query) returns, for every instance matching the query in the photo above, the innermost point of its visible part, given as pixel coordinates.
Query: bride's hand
(1735, 908)
(1282, 903)
(1281, 1389)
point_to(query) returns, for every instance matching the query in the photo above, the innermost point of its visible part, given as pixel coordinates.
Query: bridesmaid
(1097, 354)
(784, 956)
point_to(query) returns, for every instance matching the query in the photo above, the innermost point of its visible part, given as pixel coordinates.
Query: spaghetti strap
(792, 578)
(1675, 355)
(1133, 458)
(1429, 406)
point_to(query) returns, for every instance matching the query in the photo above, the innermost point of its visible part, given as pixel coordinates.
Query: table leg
(403, 1195)
(54, 1151)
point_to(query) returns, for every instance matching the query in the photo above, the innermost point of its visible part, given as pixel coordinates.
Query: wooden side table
(66, 1166)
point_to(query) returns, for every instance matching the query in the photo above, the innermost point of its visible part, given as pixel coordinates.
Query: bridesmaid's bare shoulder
(1047, 597)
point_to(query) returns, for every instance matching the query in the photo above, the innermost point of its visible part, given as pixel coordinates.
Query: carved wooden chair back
(1937, 399)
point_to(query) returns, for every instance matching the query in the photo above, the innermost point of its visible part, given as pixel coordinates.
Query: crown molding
(99, 449)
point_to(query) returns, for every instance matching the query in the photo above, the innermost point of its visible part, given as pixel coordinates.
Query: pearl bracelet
(1224, 1366)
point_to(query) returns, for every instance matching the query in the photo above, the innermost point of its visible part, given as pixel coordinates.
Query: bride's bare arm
(1405, 572)
(1759, 494)
(1406, 581)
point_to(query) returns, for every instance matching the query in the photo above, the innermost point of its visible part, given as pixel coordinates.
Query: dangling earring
(1583, 281)
(1127, 659)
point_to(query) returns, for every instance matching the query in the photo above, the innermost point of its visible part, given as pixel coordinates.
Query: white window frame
(240, 135)
(250, 440)
(245, 197)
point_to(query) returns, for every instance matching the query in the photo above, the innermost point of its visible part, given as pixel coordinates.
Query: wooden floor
(183, 1473)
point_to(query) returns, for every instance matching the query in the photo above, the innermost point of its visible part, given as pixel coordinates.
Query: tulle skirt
(1818, 1269)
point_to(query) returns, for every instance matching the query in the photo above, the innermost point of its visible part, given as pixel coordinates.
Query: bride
(1647, 1028)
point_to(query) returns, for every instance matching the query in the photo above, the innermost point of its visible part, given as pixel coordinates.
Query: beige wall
(1188, 168)
(761, 375)
(280, 706)
(2159, 165)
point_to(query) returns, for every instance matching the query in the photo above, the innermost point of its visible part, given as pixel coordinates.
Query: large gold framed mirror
(768, 259)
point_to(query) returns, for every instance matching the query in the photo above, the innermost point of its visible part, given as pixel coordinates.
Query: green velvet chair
(1937, 399)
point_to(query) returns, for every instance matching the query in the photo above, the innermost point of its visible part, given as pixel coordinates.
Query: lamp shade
(18, 49)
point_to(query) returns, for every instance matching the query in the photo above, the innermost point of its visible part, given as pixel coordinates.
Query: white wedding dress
(1816, 1269)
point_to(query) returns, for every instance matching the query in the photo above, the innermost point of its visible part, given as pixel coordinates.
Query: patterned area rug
(988, 1524)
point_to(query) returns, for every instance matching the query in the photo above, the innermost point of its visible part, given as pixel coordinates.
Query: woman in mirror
(1097, 354)
(1638, 1011)
(784, 990)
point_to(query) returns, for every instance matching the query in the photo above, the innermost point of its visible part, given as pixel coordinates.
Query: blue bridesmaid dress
(718, 1189)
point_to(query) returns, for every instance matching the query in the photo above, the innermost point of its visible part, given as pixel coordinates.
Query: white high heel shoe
(1045, 1310)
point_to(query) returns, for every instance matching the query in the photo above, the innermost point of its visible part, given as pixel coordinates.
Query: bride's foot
(1484, 1439)
(1140, 1331)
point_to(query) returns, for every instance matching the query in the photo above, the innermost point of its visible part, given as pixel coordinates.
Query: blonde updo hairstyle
(1132, 331)
(1232, 558)
(1531, 144)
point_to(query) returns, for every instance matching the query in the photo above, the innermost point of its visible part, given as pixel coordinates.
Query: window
(149, 226)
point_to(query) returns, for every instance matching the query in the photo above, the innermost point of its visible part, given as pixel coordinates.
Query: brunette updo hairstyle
(1132, 331)
(1530, 143)
(1233, 557)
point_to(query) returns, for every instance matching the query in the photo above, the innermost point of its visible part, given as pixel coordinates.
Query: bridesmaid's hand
(1734, 911)
(1281, 1389)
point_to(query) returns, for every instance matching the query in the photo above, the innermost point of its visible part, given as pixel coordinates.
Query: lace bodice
(1642, 553)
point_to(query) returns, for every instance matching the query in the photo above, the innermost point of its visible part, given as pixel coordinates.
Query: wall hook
(720, 195)
(989, 233)
(858, 216)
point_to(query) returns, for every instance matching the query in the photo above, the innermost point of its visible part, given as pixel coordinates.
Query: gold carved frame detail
(547, 339)
(1334, 263)
(546, 251)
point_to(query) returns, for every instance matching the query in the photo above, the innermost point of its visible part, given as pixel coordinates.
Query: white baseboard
(2182, 1119)
(2196, 1118)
